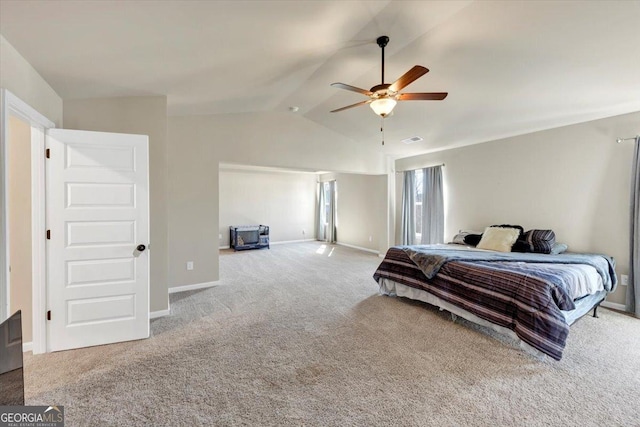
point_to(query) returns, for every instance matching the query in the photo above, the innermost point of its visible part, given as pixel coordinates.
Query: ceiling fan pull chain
(382, 129)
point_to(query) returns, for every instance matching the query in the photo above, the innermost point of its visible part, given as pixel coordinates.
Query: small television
(11, 362)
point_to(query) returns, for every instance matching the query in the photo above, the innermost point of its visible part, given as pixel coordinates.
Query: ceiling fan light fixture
(383, 106)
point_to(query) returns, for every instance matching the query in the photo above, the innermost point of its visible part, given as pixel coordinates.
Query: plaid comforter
(504, 293)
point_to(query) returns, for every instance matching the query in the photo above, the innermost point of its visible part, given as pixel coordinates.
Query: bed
(532, 297)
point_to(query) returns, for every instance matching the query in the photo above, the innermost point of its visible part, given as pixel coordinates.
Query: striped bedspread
(509, 294)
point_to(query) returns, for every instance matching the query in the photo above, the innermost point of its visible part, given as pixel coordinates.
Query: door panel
(102, 271)
(83, 233)
(92, 310)
(98, 195)
(97, 213)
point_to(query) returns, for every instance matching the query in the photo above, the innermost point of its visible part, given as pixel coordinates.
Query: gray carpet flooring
(298, 335)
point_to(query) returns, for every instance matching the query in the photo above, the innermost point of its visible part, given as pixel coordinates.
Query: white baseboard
(292, 241)
(159, 313)
(373, 251)
(193, 287)
(278, 243)
(27, 346)
(614, 305)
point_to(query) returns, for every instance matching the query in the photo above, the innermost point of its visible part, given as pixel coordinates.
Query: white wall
(574, 180)
(146, 116)
(361, 210)
(284, 201)
(197, 144)
(20, 78)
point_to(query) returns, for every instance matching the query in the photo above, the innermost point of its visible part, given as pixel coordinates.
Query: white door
(97, 216)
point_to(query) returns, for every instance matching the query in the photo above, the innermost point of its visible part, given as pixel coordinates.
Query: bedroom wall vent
(412, 140)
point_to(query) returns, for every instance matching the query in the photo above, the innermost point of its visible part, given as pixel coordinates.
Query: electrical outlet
(220, 236)
(624, 280)
(189, 265)
(371, 238)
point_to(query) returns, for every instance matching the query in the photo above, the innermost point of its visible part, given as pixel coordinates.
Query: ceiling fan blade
(352, 88)
(409, 77)
(352, 105)
(433, 96)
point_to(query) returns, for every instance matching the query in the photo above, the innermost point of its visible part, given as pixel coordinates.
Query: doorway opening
(19, 222)
(16, 114)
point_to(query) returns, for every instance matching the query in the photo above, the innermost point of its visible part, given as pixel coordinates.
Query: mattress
(535, 303)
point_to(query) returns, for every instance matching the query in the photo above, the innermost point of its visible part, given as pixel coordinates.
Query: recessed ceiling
(509, 67)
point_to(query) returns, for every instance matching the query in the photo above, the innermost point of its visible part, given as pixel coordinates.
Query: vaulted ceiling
(509, 67)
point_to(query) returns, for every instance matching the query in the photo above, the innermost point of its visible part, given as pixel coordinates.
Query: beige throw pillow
(498, 239)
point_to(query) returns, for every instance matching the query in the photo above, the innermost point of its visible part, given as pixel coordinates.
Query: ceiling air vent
(412, 140)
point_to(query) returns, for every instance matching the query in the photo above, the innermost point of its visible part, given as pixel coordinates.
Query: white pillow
(498, 239)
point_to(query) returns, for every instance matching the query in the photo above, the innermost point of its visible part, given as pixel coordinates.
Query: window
(327, 221)
(327, 201)
(417, 209)
(422, 207)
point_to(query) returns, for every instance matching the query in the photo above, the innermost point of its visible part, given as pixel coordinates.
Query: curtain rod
(431, 166)
(619, 140)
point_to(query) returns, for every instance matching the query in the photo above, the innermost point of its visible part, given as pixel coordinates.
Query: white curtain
(331, 236)
(432, 206)
(633, 290)
(408, 220)
(322, 213)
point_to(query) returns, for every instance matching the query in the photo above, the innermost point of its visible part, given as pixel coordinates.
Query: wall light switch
(189, 265)
(220, 236)
(624, 280)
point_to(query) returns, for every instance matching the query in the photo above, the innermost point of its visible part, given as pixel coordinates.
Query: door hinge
(47, 153)
(49, 315)
(48, 234)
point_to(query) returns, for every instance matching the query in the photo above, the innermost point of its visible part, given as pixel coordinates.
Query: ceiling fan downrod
(382, 42)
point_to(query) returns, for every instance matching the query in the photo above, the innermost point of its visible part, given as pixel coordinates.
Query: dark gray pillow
(472, 239)
(521, 245)
(459, 238)
(540, 241)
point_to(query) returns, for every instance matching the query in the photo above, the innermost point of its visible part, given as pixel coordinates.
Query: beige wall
(19, 77)
(197, 144)
(137, 115)
(574, 180)
(272, 139)
(361, 210)
(284, 201)
(19, 196)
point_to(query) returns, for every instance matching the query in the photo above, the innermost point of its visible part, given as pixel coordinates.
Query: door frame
(11, 105)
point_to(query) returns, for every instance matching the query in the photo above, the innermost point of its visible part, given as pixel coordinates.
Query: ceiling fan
(383, 97)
